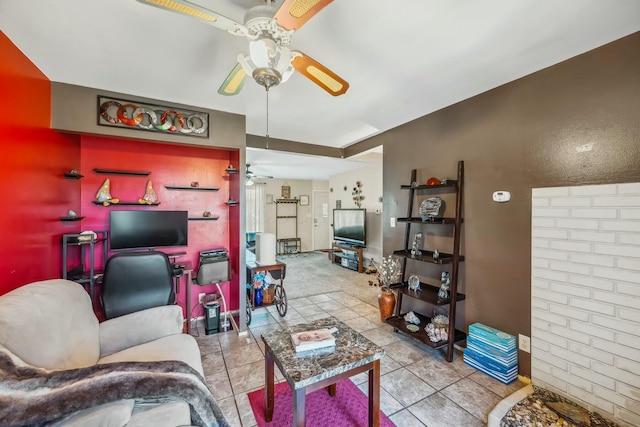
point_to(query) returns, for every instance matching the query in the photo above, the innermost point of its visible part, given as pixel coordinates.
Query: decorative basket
(269, 295)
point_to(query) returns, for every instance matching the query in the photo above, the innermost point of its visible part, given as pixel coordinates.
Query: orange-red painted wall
(32, 186)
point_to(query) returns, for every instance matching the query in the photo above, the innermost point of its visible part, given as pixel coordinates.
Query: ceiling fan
(251, 176)
(269, 30)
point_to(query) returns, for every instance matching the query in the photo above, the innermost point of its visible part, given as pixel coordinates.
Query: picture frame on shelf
(304, 200)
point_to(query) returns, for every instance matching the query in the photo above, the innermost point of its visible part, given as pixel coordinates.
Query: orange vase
(386, 302)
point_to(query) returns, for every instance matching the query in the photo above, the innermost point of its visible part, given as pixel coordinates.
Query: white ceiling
(403, 58)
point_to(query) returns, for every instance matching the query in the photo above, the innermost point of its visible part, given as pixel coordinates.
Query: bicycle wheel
(281, 300)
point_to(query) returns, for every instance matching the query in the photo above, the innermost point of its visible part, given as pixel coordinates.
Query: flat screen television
(349, 226)
(148, 229)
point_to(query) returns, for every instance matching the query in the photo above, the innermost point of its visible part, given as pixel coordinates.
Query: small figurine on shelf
(104, 193)
(206, 214)
(417, 244)
(413, 283)
(150, 196)
(445, 282)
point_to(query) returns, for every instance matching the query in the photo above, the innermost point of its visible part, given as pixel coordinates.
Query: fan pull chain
(267, 137)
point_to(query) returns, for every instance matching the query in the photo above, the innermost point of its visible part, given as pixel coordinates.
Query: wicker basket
(269, 295)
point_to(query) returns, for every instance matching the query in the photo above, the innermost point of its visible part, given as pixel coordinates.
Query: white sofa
(51, 324)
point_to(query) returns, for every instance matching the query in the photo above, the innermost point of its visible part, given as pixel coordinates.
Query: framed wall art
(286, 191)
(152, 118)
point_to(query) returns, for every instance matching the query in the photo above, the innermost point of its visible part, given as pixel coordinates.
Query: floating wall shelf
(121, 172)
(69, 175)
(71, 218)
(175, 187)
(203, 218)
(95, 202)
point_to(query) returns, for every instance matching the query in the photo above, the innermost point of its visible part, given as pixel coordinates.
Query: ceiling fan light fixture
(267, 77)
(268, 30)
(259, 52)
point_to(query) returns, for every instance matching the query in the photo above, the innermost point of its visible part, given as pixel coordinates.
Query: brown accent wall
(75, 109)
(577, 122)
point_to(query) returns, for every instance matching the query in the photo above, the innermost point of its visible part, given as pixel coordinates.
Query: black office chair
(135, 281)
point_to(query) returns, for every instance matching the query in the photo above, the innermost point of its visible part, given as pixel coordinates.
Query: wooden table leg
(268, 390)
(374, 394)
(332, 389)
(298, 407)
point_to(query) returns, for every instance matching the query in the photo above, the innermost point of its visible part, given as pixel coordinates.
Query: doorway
(321, 220)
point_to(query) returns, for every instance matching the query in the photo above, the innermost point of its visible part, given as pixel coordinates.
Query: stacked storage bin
(493, 352)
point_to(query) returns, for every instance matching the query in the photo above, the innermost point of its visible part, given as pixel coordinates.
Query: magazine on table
(311, 340)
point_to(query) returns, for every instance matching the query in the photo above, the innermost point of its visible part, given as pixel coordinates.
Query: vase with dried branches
(388, 273)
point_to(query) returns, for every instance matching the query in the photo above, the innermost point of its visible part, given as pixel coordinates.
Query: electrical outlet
(524, 343)
(393, 222)
(201, 296)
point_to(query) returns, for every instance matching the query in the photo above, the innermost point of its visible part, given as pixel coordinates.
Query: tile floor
(418, 387)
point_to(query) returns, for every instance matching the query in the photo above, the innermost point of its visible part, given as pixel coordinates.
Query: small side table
(354, 354)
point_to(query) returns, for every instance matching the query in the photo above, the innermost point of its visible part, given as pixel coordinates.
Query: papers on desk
(312, 340)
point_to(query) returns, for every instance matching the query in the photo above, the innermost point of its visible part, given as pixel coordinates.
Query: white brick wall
(585, 296)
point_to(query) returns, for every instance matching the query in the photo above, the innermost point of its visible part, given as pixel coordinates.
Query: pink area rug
(349, 407)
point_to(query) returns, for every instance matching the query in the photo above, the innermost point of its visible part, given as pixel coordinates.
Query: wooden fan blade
(234, 82)
(319, 74)
(294, 13)
(187, 8)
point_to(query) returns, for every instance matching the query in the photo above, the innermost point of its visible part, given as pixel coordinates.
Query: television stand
(347, 256)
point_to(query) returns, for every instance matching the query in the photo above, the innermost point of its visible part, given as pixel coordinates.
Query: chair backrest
(135, 281)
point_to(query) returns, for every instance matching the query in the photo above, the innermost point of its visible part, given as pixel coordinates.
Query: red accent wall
(34, 158)
(173, 165)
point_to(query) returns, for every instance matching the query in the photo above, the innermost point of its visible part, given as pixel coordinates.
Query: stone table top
(352, 350)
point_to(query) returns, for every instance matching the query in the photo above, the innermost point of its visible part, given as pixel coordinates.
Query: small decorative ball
(206, 214)
(433, 181)
(72, 214)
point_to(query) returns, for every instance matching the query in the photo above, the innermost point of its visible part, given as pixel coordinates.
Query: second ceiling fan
(269, 31)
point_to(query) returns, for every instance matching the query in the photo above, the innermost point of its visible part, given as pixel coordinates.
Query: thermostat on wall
(501, 196)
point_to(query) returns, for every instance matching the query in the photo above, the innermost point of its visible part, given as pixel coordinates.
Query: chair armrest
(140, 327)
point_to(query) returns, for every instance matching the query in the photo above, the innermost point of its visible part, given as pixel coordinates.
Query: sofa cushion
(169, 414)
(50, 324)
(114, 414)
(136, 328)
(181, 347)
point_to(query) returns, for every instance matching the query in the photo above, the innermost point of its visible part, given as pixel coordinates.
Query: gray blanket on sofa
(34, 396)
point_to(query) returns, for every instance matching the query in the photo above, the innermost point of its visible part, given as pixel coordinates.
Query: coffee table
(353, 354)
